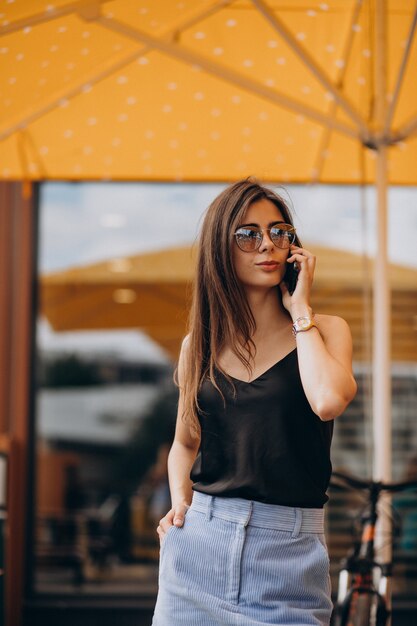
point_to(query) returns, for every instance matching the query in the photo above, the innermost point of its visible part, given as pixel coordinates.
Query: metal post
(382, 331)
(382, 467)
(381, 339)
(16, 308)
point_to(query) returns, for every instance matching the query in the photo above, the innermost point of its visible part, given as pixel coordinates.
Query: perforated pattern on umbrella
(202, 90)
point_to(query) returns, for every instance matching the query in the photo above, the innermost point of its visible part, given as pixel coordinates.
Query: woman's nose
(266, 243)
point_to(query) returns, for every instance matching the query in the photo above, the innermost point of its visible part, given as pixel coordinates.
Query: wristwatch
(302, 324)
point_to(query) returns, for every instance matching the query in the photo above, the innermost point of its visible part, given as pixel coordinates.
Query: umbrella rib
(230, 76)
(24, 138)
(401, 73)
(407, 130)
(46, 16)
(333, 107)
(23, 159)
(310, 63)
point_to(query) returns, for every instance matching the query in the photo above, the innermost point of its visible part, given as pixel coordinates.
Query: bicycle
(359, 602)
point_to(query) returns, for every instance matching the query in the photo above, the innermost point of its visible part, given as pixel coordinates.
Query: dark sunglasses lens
(247, 239)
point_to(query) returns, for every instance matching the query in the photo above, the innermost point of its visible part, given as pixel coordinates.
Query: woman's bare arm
(180, 460)
(324, 353)
(325, 363)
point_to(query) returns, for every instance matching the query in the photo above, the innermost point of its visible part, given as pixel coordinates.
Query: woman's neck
(269, 313)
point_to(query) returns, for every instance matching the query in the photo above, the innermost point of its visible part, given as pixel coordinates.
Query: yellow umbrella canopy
(147, 291)
(206, 89)
(151, 292)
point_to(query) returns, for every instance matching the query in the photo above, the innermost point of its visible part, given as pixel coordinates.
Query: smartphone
(291, 276)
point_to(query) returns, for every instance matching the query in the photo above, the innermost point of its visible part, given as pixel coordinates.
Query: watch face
(304, 323)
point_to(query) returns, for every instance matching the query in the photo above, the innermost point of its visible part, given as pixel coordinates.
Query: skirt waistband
(253, 513)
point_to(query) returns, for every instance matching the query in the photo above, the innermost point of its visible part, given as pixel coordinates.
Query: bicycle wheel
(364, 609)
(362, 614)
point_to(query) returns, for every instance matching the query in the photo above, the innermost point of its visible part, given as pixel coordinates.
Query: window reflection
(106, 403)
(105, 400)
(104, 428)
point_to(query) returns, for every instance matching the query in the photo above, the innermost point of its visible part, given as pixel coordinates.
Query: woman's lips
(268, 266)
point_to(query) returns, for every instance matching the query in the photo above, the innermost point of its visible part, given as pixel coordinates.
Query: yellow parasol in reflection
(151, 292)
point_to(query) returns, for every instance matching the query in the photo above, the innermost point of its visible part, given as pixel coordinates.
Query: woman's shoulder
(185, 344)
(331, 322)
(182, 358)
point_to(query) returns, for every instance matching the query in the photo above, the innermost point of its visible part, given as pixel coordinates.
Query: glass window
(111, 317)
(114, 264)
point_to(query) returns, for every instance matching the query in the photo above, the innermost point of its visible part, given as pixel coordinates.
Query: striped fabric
(237, 562)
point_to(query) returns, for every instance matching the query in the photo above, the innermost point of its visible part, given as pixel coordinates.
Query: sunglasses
(249, 238)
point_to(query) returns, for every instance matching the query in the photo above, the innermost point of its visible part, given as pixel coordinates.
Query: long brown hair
(220, 314)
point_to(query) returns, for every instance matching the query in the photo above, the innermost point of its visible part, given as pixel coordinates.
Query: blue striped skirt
(238, 562)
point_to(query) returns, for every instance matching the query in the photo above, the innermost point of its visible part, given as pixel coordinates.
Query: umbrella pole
(382, 463)
(381, 391)
(382, 469)
(382, 458)
(382, 326)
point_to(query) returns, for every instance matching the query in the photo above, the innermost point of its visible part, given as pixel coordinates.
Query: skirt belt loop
(209, 508)
(297, 523)
(250, 508)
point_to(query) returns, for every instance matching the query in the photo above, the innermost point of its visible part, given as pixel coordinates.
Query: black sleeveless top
(265, 444)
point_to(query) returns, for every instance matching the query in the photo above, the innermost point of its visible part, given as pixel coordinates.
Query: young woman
(261, 379)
